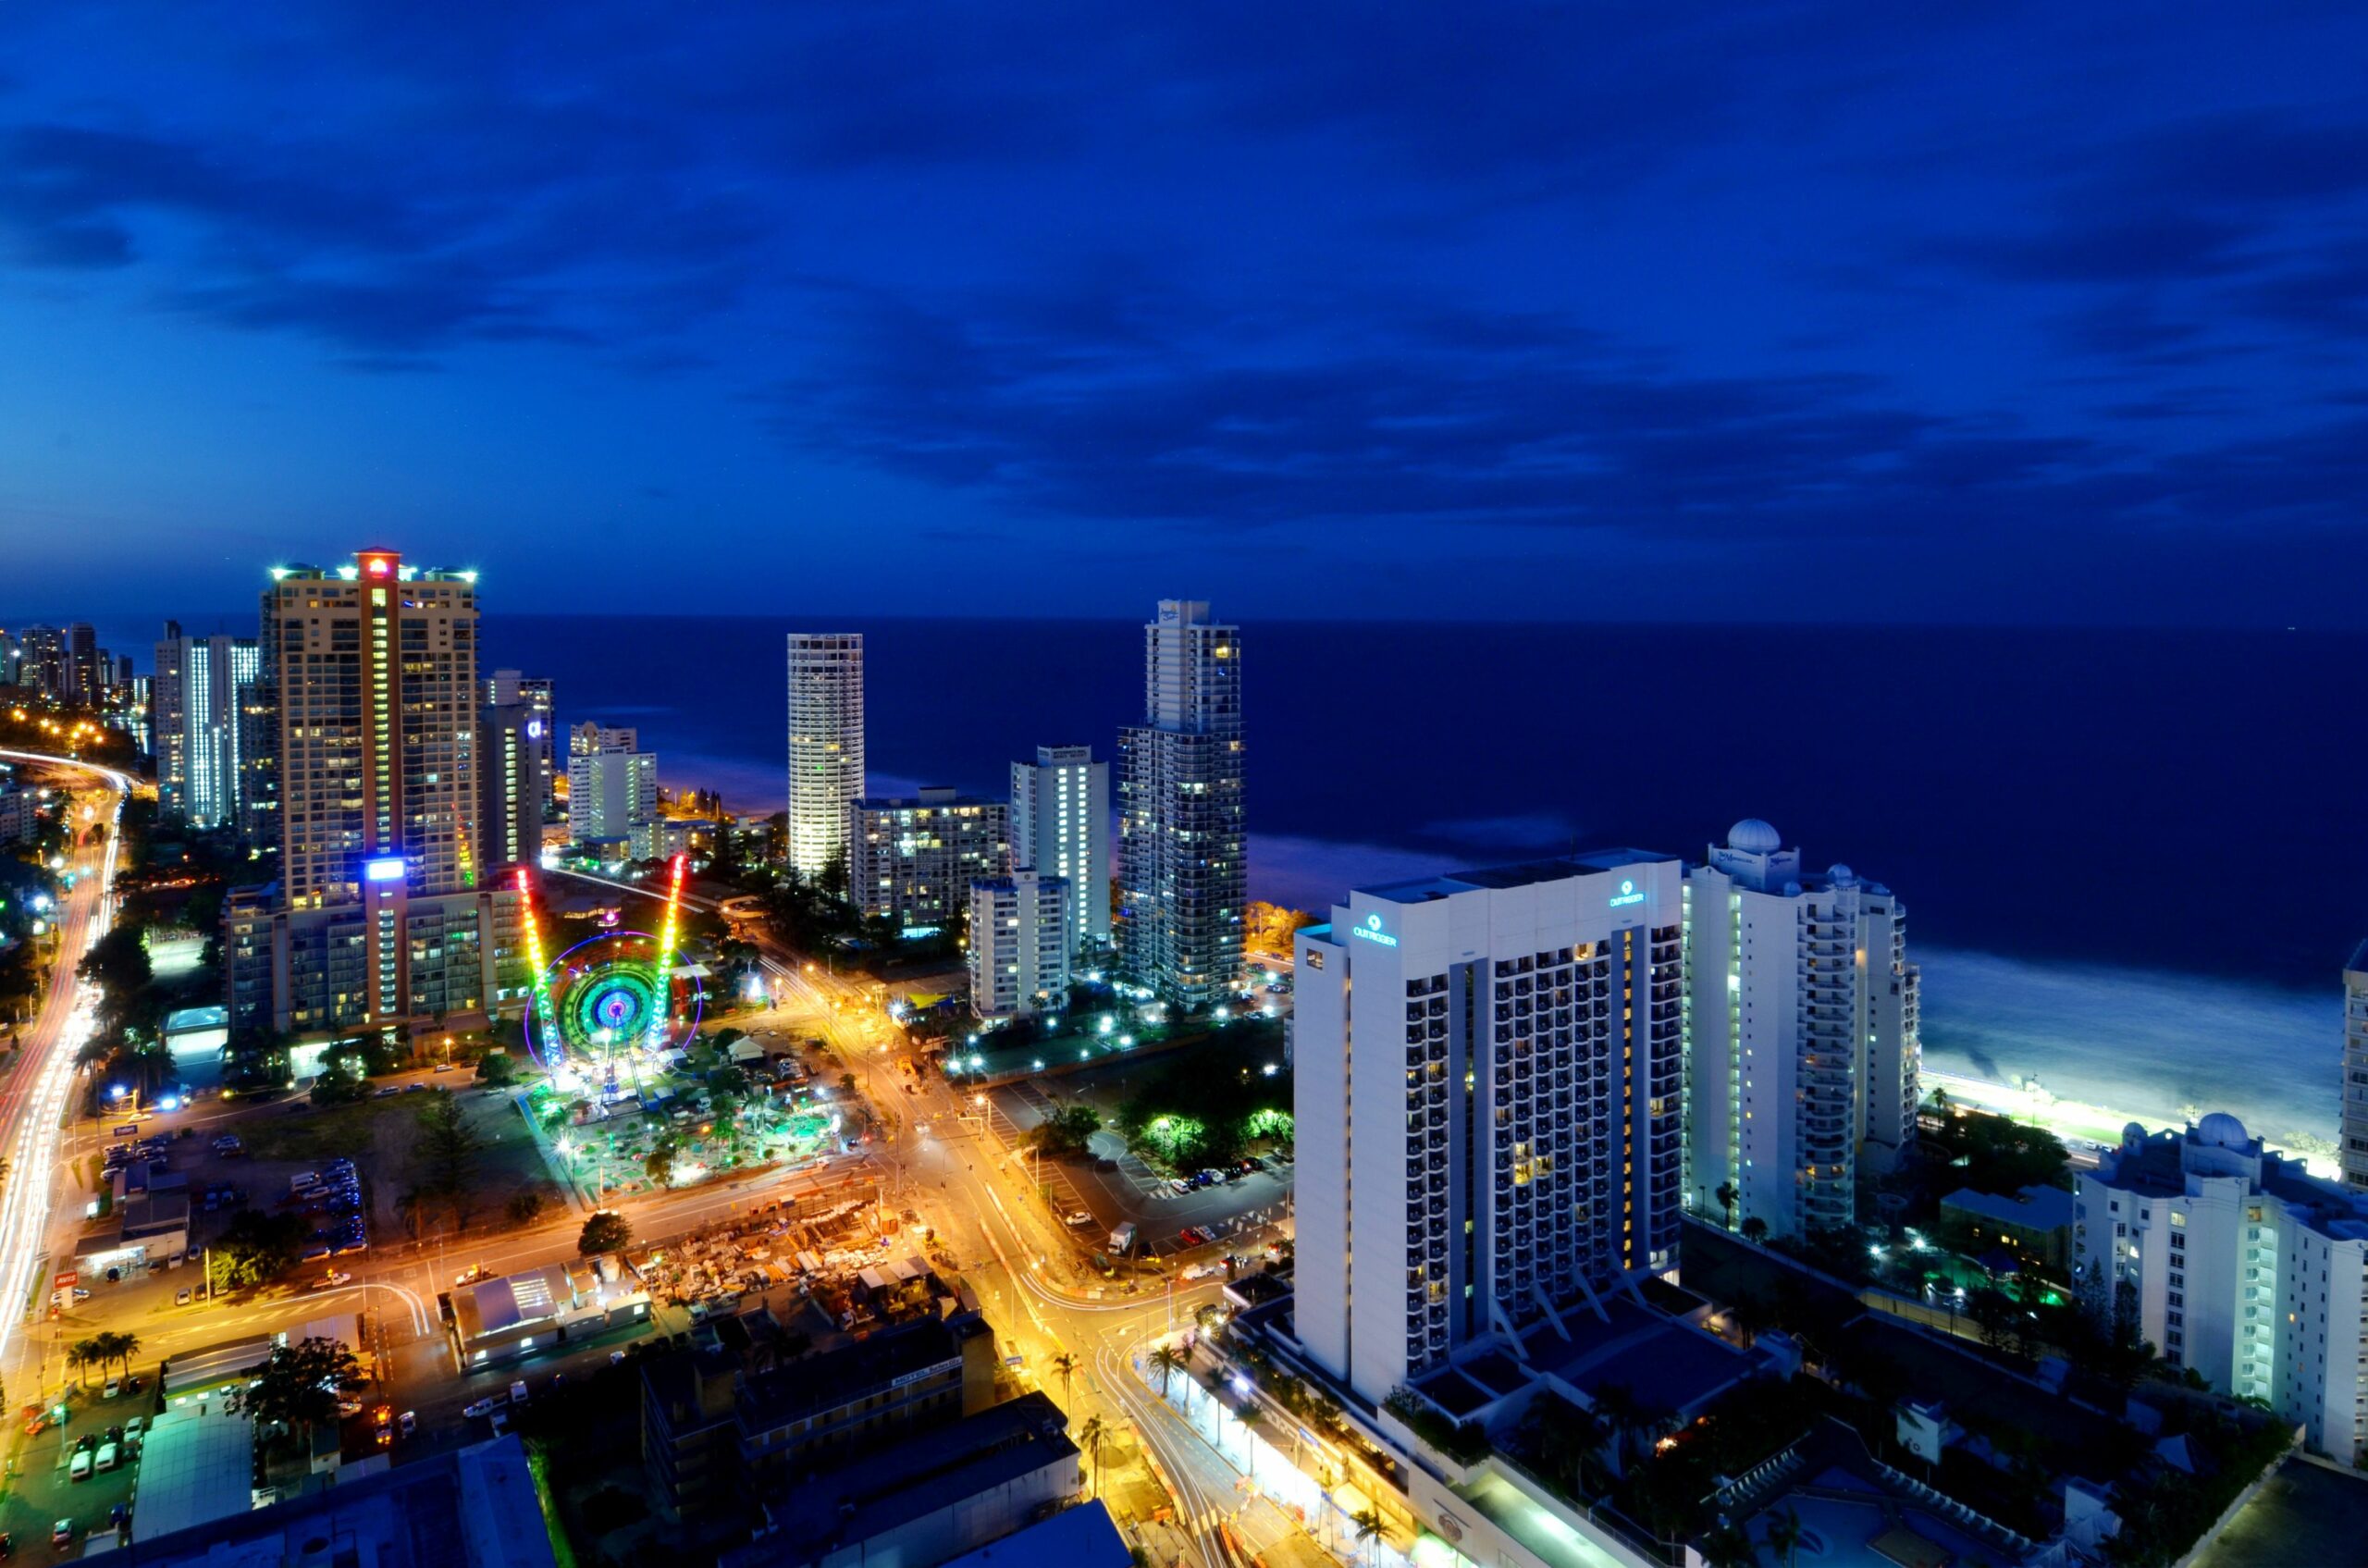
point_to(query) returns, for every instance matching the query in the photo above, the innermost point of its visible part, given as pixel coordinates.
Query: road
(32, 1100)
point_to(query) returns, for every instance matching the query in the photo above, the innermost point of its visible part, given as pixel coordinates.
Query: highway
(32, 1100)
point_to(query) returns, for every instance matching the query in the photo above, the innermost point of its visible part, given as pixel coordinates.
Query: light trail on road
(45, 1077)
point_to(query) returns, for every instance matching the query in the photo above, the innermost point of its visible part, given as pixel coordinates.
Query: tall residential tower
(1803, 1052)
(825, 746)
(2355, 1068)
(1489, 1082)
(1060, 826)
(1183, 869)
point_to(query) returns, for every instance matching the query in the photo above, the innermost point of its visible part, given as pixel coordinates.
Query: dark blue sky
(1929, 312)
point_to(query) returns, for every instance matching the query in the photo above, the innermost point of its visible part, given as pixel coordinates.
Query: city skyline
(1827, 313)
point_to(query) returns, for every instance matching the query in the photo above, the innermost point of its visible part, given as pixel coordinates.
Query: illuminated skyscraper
(825, 747)
(383, 913)
(1183, 870)
(2355, 1068)
(1060, 826)
(506, 687)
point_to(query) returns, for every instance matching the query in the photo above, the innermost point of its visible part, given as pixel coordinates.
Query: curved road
(32, 1098)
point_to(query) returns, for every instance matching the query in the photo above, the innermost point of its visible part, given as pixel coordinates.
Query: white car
(486, 1406)
(332, 1279)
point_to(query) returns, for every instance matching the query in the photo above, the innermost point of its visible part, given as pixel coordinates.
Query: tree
(1065, 1365)
(1726, 1196)
(80, 1355)
(660, 1164)
(118, 1347)
(607, 1231)
(1371, 1528)
(298, 1387)
(1730, 1546)
(1755, 1229)
(1068, 1131)
(498, 1070)
(1250, 1415)
(258, 1246)
(1784, 1535)
(1168, 1360)
(448, 1154)
(1090, 1435)
(525, 1205)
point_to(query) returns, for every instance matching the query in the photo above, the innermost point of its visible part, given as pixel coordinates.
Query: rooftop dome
(2133, 1136)
(2222, 1130)
(1840, 876)
(1754, 837)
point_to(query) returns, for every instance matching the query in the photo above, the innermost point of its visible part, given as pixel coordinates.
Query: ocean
(2134, 861)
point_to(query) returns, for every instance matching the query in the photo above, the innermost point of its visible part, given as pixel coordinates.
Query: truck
(1122, 1241)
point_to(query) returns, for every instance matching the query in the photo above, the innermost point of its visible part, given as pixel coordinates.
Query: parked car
(332, 1279)
(1077, 1216)
(1192, 1235)
(113, 1387)
(109, 1456)
(500, 1422)
(62, 1533)
(80, 1469)
(409, 1423)
(518, 1391)
(485, 1406)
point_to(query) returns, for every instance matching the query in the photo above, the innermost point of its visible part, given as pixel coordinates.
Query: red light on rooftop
(378, 562)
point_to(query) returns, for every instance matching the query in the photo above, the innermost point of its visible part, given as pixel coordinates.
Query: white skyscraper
(1489, 1070)
(1060, 825)
(825, 746)
(1802, 1052)
(2355, 1067)
(1183, 867)
(201, 688)
(1019, 943)
(2237, 1267)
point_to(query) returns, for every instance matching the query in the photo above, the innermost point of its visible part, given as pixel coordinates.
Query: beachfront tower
(825, 747)
(1803, 1055)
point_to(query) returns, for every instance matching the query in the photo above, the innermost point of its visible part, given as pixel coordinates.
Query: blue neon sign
(1371, 931)
(1627, 894)
(388, 870)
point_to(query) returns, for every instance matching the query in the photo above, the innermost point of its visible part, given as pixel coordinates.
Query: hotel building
(915, 857)
(386, 911)
(1802, 1052)
(1489, 1080)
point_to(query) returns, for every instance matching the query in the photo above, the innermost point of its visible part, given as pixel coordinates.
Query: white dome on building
(1753, 836)
(1842, 876)
(2133, 1136)
(2222, 1129)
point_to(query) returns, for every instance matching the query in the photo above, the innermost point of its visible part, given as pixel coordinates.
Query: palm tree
(1370, 1528)
(1249, 1415)
(1090, 1435)
(1168, 1360)
(1784, 1535)
(1730, 1546)
(1727, 1195)
(124, 1346)
(1626, 1414)
(1066, 1364)
(78, 1359)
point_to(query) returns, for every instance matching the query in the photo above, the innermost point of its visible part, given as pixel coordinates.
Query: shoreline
(2076, 1119)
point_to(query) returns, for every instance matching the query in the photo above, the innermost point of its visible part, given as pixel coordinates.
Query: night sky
(1937, 313)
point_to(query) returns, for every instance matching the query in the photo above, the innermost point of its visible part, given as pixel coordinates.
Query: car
(408, 1423)
(348, 1407)
(136, 1382)
(80, 1469)
(1077, 1216)
(86, 1442)
(486, 1406)
(115, 1434)
(500, 1422)
(133, 1427)
(471, 1275)
(109, 1456)
(414, 1088)
(444, 1067)
(383, 1417)
(120, 1515)
(518, 1391)
(616, 1358)
(62, 1533)
(387, 1089)
(113, 1389)
(1192, 1235)
(332, 1279)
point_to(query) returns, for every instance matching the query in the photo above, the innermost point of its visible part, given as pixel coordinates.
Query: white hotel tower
(1488, 1076)
(1803, 1051)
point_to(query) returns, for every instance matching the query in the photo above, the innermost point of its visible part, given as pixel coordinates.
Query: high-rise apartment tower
(825, 746)
(1060, 826)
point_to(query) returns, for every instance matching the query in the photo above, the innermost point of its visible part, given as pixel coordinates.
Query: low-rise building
(717, 1428)
(2034, 1225)
(2238, 1267)
(501, 1320)
(932, 1496)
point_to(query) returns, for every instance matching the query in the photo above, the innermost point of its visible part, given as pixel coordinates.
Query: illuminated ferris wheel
(615, 998)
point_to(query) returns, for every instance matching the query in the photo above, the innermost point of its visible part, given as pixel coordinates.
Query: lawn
(331, 1130)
